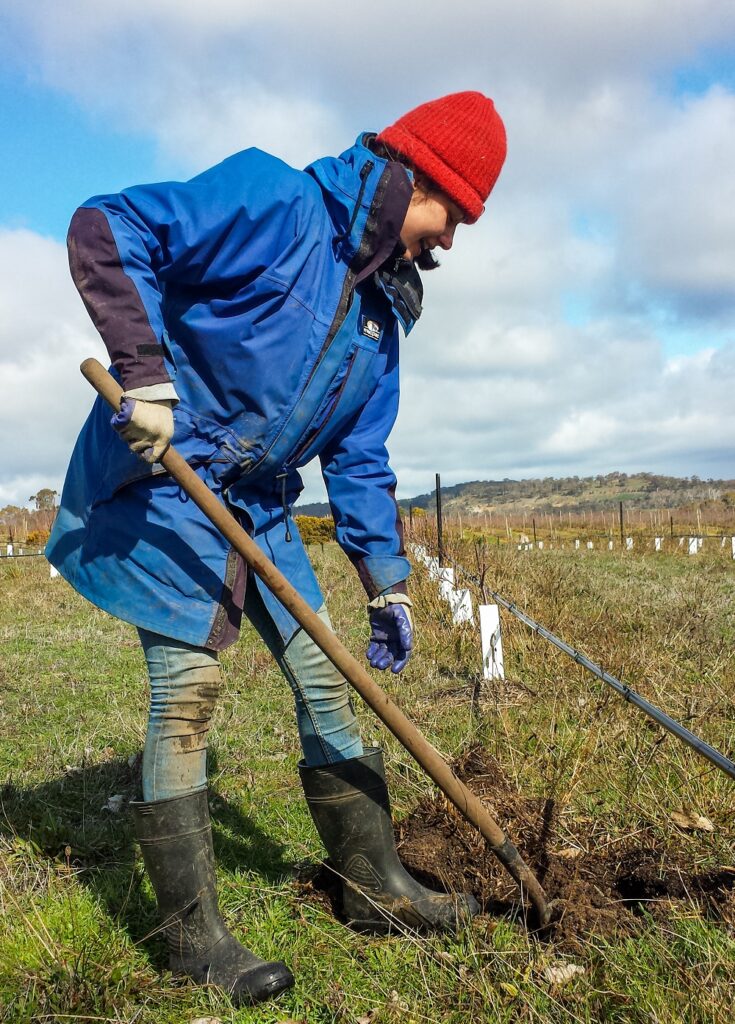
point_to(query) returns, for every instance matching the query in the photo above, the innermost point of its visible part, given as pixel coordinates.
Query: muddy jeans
(184, 689)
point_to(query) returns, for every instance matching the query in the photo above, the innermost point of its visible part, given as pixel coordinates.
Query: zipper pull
(286, 508)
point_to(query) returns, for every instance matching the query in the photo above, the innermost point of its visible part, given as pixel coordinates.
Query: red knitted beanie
(458, 141)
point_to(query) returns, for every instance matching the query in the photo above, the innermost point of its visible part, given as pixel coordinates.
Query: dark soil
(601, 885)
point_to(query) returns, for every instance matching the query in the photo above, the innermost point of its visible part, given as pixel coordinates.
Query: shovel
(468, 805)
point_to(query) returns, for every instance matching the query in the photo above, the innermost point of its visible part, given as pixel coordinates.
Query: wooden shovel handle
(469, 805)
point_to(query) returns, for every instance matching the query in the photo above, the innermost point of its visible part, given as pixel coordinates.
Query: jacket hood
(366, 198)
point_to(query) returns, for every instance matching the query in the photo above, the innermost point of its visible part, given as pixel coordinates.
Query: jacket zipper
(346, 298)
(335, 401)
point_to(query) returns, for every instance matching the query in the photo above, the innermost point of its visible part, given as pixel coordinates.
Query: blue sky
(712, 66)
(585, 324)
(55, 155)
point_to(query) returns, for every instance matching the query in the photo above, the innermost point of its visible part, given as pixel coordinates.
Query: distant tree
(10, 513)
(45, 499)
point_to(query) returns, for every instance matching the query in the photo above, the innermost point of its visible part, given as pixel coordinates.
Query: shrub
(37, 538)
(315, 529)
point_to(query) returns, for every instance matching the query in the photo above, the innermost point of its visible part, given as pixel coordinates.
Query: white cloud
(44, 335)
(543, 347)
(678, 224)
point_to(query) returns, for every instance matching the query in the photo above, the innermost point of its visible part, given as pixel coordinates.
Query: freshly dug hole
(599, 887)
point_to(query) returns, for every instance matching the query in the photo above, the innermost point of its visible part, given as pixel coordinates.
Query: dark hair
(423, 181)
(425, 185)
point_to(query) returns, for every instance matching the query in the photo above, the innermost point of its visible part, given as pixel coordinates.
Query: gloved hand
(391, 632)
(147, 426)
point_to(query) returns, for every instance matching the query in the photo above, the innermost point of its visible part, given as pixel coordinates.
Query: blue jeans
(185, 684)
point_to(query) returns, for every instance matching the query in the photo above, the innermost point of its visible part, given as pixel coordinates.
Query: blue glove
(391, 632)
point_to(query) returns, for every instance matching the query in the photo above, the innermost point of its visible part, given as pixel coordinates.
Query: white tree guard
(541, 545)
(492, 645)
(693, 545)
(590, 545)
(609, 545)
(446, 582)
(461, 602)
(628, 543)
(732, 542)
(658, 543)
(420, 552)
(576, 545)
(9, 550)
(433, 566)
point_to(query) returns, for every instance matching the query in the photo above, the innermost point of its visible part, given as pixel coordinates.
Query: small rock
(562, 974)
(570, 853)
(206, 1020)
(691, 821)
(114, 803)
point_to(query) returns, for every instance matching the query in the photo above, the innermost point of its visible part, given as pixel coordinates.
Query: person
(251, 315)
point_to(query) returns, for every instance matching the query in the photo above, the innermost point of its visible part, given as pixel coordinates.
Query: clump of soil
(598, 886)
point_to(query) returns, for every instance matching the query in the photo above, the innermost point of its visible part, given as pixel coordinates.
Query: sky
(585, 324)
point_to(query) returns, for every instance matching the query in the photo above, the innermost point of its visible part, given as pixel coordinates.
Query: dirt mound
(598, 886)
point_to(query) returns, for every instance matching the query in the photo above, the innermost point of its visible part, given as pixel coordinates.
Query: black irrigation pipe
(668, 723)
(25, 554)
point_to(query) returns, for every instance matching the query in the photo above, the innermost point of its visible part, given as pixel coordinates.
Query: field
(629, 831)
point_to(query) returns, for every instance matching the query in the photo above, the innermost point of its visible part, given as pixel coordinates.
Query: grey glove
(146, 426)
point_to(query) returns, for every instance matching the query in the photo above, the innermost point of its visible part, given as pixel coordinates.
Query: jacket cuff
(164, 392)
(397, 588)
(383, 573)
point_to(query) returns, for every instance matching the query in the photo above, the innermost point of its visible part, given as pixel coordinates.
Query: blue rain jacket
(261, 292)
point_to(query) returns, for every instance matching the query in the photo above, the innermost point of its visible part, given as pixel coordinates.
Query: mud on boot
(351, 810)
(175, 838)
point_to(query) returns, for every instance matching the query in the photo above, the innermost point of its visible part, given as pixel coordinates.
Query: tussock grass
(77, 921)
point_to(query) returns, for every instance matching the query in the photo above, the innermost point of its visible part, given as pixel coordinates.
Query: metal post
(622, 530)
(534, 532)
(439, 534)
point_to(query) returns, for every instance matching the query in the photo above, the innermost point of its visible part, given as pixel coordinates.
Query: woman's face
(430, 222)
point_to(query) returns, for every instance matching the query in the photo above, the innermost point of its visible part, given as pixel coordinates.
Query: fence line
(703, 748)
(663, 544)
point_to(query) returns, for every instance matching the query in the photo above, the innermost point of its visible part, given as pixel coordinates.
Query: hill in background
(574, 493)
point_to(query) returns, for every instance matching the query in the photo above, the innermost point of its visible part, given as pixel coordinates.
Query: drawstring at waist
(284, 504)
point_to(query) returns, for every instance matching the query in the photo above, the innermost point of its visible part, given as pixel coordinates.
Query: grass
(77, 919)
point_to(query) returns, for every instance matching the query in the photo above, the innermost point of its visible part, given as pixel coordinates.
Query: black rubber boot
(175, 838)
(351, 810)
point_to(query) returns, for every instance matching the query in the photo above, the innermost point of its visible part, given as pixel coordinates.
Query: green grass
(77, 918)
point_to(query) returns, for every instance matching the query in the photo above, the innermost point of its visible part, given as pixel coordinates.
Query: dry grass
(75, 910)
